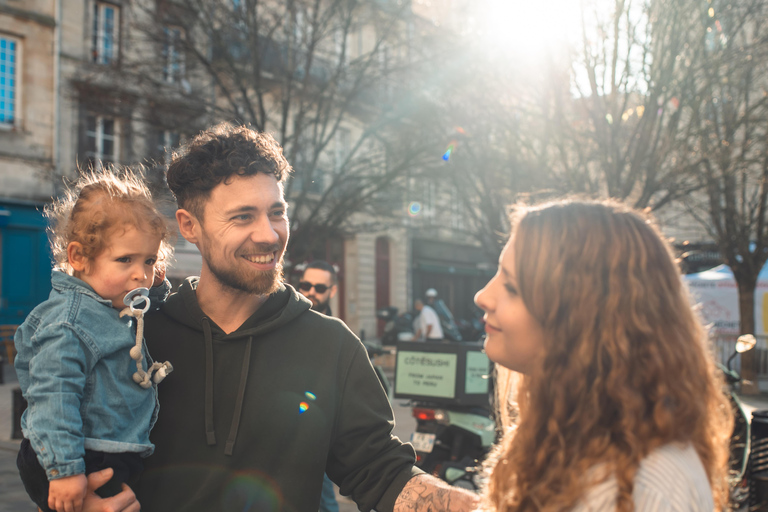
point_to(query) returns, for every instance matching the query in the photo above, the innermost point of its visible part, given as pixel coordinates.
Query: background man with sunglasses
(318, 284)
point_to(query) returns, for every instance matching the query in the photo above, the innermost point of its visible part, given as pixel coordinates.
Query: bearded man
(318, 284)
(267, 395)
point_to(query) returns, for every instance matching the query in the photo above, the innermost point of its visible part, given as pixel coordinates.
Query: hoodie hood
(281, 307)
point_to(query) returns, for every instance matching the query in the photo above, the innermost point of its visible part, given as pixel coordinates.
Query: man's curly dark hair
(215, 155)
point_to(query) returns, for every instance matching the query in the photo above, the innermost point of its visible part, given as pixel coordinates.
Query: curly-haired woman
(610, 395)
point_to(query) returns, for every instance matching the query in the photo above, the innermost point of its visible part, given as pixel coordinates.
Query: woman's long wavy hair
(626, 366)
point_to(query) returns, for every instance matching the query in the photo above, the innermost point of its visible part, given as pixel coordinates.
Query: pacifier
(135, 297)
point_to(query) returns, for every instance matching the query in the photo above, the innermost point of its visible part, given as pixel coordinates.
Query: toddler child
(88, 406)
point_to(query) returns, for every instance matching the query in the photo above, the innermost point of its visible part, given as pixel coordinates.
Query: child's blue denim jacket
(75, 371)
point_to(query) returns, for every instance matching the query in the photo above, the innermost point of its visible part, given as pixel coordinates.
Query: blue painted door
(25, 268)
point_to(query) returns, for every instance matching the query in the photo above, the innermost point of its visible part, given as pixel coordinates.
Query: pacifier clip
(132, 299)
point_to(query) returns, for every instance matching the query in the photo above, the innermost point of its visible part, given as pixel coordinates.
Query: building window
(166, 142)
(340, 46)
(101, 140)
(385, 81)
(105, 33)
(173, 58)
(342, 148)
(8, 85)
(301, 29)
(456, 207)
(360, 39)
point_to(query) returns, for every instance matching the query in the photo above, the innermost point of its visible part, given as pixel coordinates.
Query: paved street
(12, 495)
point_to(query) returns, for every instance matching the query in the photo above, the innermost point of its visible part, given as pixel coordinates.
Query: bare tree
(615, 128)
(727, 140)
(675, 113)
(664, 103)
(328, 78)
(475, 108)
(603, 120)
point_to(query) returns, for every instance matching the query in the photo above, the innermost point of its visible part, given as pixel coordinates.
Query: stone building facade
(29, 112)
(65, 102)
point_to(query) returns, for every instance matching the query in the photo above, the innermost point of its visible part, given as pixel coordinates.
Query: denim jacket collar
(62, 281)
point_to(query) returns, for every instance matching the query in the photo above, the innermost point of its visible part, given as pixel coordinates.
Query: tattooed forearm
(426, 493)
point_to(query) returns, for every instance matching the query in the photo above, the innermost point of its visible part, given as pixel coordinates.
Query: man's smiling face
(244, 233)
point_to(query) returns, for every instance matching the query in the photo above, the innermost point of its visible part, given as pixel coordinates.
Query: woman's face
(514, 338)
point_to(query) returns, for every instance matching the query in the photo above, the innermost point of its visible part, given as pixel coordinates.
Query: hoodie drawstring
(210, 433)
(239, 401)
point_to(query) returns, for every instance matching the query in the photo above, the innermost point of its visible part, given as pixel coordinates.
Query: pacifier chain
(132, 299)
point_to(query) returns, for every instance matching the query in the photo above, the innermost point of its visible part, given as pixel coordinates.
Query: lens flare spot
(310, 395)
(414, 209)
(251, 492)
(240, 490)
(303, 406)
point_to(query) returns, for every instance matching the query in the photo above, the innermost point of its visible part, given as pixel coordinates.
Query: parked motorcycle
(748, 456)
(450, 441)
(447, 322)
(397, 327)
(474, 328)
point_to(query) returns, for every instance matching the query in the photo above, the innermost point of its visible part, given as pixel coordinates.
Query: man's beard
(320, 306)
(258, 282)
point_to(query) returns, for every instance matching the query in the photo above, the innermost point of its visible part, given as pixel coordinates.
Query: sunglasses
(319, 288)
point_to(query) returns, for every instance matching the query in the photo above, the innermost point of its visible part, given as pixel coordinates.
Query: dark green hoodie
(250, 420)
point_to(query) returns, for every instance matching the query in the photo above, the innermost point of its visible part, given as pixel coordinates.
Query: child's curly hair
(98, 204)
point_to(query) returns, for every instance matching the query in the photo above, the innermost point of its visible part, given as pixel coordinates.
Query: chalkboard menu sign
(455, 373)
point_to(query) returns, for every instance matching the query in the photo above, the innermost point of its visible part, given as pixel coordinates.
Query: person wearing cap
(427, 324)
(447, 322)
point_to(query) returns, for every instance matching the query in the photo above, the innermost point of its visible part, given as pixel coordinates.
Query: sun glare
(528, 27)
